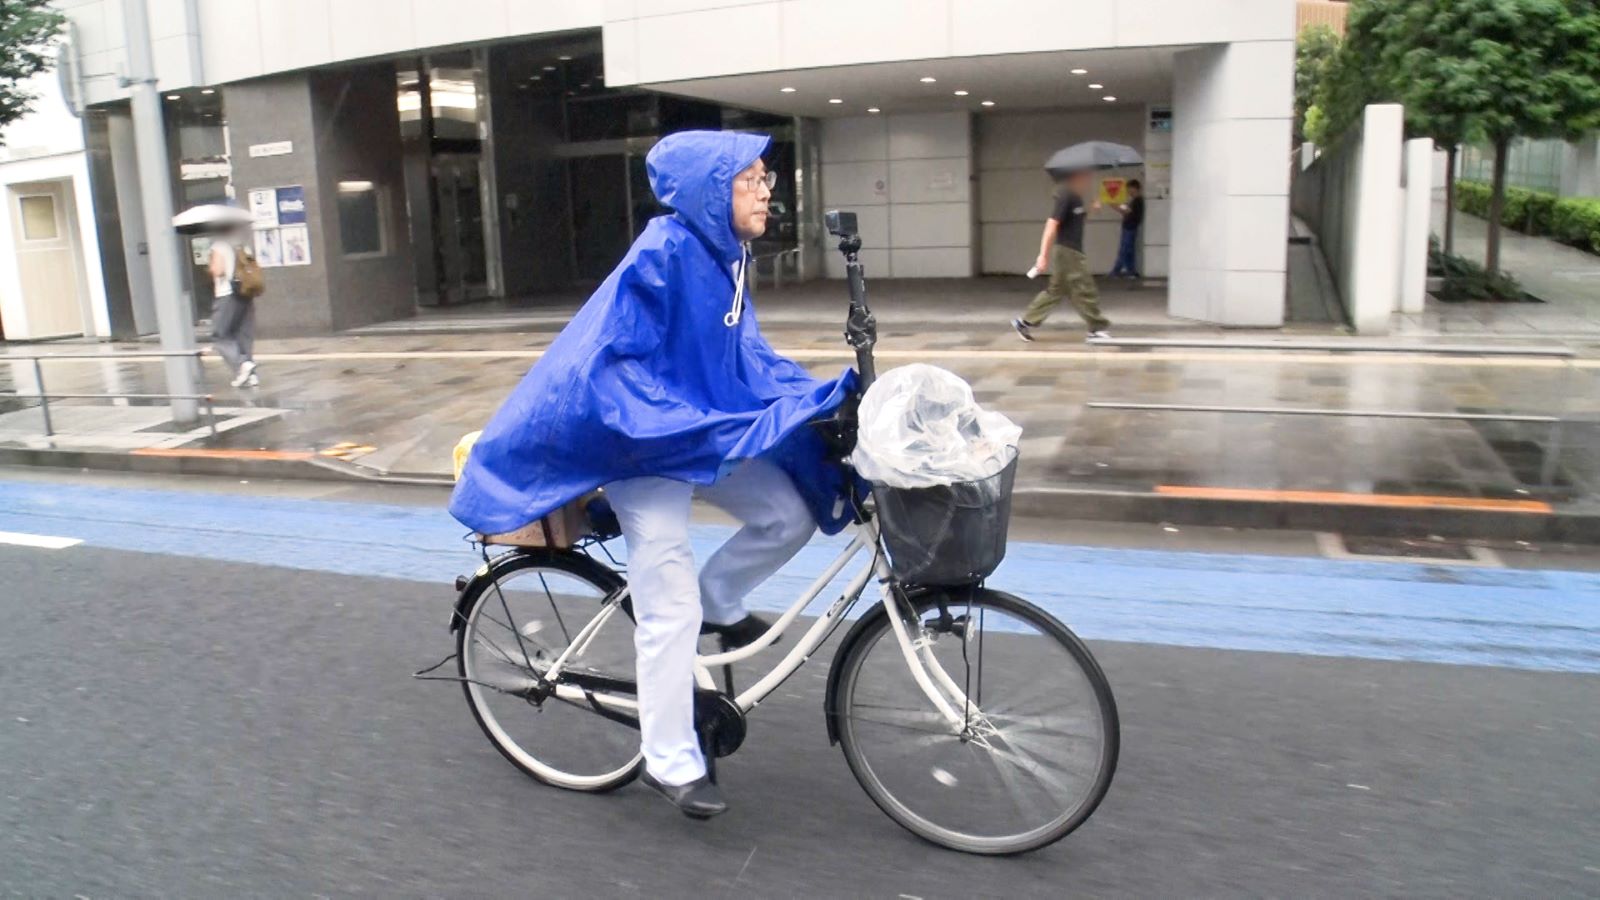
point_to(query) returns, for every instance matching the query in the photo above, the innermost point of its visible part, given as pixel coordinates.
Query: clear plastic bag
(920, 427)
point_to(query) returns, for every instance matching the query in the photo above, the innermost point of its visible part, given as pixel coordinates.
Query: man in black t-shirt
(1061, 254)
(1132, 218)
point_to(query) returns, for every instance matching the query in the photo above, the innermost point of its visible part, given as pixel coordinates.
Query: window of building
(39, 218)
(361, 219)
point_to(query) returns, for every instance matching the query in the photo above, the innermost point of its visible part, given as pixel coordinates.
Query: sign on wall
(282, 237)
(1113, 191)
(275, 148)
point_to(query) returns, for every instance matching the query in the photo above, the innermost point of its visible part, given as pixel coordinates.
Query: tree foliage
(1470, 70)
(27, 29)
(1313, 53)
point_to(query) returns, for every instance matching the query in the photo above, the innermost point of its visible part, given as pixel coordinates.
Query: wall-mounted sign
(1113, 191)
(1160, 119)
(275, 148)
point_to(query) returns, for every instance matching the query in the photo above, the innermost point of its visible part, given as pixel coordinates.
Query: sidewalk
(1565, 278)
(395, 404)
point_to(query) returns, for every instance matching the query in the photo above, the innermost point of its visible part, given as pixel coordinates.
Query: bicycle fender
(468, 587)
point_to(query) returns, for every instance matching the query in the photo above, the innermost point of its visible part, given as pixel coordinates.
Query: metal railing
(44, 397)
(1556, 421)
(777, 258)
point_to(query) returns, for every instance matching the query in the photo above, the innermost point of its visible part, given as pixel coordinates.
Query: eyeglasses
(769, 179)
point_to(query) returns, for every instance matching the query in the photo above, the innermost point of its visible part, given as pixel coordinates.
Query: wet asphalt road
(174, 726)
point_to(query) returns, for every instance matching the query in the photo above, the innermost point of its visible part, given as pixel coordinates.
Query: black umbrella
(1092, 155)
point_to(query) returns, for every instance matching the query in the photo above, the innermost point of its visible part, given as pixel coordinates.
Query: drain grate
(1405, 548)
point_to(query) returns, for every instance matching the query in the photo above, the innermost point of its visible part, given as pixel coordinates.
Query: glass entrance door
(463, 263)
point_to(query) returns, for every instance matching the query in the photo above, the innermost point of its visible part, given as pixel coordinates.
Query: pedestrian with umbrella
(236, 282)
(1061, 246)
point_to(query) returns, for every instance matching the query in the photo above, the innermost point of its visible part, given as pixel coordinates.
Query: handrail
(137, 354)
(1556, 421)
(1334, 347)
(44, 397)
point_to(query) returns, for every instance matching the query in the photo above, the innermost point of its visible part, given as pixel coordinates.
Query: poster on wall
(278, 215)
(269, 247)
(291, 203)
(296, 245)
(200, 250)
(264, 207)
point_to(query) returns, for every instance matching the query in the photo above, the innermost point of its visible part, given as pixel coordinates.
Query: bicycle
(941, 669)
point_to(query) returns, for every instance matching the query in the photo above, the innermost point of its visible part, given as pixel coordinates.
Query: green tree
(1314, 52)
(27, 29)
(1436, 88)
(1508, 68)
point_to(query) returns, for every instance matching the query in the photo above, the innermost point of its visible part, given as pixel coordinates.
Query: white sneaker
(247, 373)
(252, 381)
(1101, 335)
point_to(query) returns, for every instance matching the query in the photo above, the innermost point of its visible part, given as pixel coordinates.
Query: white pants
(668, 600)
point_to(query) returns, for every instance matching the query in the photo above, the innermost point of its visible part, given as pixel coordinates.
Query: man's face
(1134, 190)
(750, 197)
(1079, 182)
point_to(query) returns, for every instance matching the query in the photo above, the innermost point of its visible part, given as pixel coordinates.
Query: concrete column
(1374, 228)
(1231, 129)
(1418, 202)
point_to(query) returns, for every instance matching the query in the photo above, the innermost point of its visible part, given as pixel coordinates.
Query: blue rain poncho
(663, 372)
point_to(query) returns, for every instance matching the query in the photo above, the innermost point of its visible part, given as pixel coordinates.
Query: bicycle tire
(478, 591)
(859, 643)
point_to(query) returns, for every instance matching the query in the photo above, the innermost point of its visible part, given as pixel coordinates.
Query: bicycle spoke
(553, 608)
(1009, 780)
(925, 721)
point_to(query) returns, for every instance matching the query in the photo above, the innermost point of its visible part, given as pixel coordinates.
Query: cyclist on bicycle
(663, 388)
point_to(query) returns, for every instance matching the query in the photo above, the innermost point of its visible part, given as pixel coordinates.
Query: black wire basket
(948, 535)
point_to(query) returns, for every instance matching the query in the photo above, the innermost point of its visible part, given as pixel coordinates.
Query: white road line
(42, 541)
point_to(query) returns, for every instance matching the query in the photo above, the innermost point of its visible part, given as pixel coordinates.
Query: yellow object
(1113, 191)
(463, 449)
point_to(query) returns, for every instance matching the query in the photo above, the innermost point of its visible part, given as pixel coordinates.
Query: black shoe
(740, 634)
(1024, 330)
(699, 799)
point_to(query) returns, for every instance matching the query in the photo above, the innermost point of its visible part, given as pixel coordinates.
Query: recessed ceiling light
(564, 58)
(988, 103)
(1109, 99)
(1080, 71)
(586, 85)
(173, 97)
(786, 90)
(928, 79)
(538, 78)
(208, 91)
(961, 93)
(549, 68)
(1096, 87)
(874, 109)
(835, 100)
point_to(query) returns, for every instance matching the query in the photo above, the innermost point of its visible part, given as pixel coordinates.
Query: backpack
(248, 281)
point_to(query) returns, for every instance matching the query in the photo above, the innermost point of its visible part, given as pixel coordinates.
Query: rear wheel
(1034, 745)
(518, 618)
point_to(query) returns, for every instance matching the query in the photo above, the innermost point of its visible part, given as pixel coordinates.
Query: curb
(1108, 505)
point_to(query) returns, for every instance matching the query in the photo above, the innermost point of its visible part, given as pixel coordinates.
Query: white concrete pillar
(1308, 155)
(1373, 290)
(1580, 170)
(1418, 203)
(1232, 146)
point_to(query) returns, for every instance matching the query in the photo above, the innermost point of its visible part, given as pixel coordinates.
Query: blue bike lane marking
(1531, 619)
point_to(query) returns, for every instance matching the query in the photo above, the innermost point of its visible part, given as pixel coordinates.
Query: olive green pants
(1070, 279)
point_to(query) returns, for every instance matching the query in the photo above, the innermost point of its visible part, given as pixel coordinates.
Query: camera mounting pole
(861, 329)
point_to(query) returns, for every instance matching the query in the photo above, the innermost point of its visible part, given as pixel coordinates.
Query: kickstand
(710, 754)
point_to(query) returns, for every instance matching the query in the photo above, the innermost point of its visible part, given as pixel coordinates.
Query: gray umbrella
(1092, 155)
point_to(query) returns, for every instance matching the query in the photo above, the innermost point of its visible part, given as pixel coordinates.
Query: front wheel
(1030, 747)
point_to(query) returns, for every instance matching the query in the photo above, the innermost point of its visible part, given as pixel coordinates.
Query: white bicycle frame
(942, 691)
